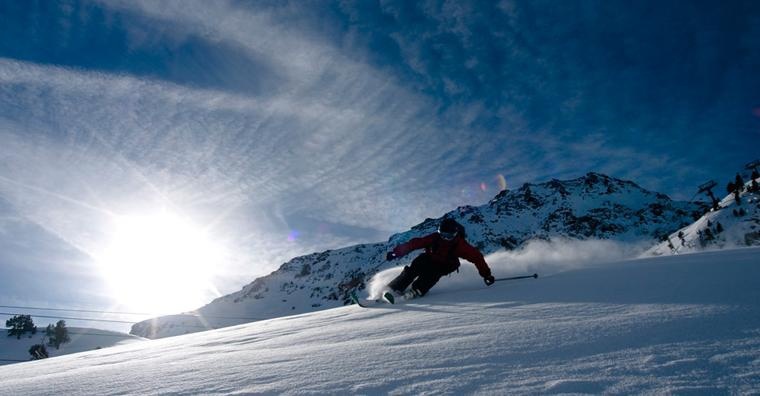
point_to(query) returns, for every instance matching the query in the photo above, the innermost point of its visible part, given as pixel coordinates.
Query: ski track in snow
(686, 324)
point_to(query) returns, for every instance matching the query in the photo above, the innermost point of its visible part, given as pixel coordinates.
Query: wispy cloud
(102, 144)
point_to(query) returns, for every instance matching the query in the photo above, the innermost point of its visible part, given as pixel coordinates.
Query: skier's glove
(390, 256)
(489, 280)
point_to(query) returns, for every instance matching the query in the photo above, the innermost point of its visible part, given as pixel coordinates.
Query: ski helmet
(448, 229)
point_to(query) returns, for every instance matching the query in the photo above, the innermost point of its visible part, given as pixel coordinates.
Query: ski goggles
(447, 235)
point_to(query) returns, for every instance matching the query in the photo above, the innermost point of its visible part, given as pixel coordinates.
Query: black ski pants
(422, 274)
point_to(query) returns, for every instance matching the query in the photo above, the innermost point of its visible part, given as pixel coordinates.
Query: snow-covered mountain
(686, 324)
(734, 224)
(594, 206)
(13, 349)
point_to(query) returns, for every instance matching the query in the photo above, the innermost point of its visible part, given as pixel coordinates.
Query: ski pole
(534, 276)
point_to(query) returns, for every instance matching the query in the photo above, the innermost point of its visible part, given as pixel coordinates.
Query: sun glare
(160, 263)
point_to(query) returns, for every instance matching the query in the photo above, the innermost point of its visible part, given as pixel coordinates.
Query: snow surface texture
(677, 324)
(593, 207)
(13, 350)
(733, 225)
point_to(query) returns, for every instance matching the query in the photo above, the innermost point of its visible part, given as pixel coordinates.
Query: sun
(160, 263)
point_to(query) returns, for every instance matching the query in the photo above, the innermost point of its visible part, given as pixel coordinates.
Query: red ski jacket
(447, 252)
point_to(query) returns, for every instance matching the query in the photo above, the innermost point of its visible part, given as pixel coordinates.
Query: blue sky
(286, 127)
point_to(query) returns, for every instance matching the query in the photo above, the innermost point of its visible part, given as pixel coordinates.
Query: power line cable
(76, 310)
(119, 313)
(70, 318)
(117, 321)
(124, 335)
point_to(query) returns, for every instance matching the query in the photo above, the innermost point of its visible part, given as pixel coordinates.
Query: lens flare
(502, 182)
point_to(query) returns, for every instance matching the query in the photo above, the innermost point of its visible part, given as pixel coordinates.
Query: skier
(441, 257)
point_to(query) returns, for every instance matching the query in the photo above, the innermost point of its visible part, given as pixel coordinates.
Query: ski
(387, 298)
(356, 300)
(367, 303)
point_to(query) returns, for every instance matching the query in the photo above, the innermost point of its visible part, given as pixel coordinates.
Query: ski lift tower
(707, 188)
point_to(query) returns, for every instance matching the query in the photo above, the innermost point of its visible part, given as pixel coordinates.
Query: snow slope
(594, 206)
(13, 350)
(687, 324)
